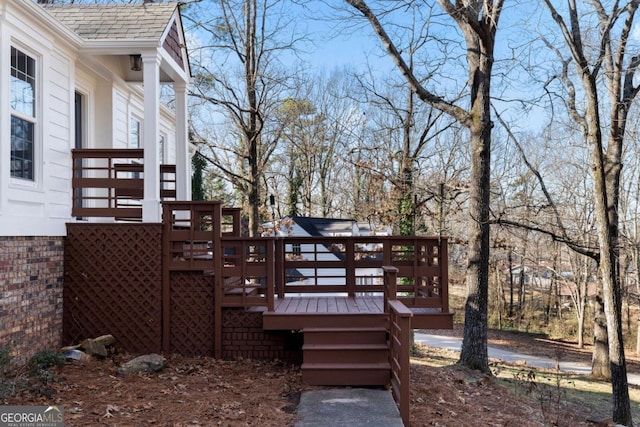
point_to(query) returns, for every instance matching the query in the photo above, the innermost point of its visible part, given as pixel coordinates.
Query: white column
(150, 136)
(183, 159)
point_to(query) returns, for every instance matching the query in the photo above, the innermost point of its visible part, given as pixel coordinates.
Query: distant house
(80, 86)
(300, 226)
(538, 277)
(327, 227)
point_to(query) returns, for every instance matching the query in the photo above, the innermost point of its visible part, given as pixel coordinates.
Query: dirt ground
(207, 392)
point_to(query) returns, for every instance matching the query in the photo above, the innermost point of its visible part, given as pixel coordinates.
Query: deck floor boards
(330, 304)
(371, 304)
(330, 311)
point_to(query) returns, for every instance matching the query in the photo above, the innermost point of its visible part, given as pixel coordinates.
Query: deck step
(287, 321)
(348, 355)
(346, 374)
(363, 335)
(345, 353)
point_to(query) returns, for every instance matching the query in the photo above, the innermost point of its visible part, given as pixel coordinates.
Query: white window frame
(135, 121)
(31, 182)
(162, 148)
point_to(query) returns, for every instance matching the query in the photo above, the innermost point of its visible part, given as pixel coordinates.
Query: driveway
(455, 343)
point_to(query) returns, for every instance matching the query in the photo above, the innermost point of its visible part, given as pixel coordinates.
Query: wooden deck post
(279, 266)
(390, 280)
(350, 276)
(218, 280)
(166, 279)
(443, 262)
(271, 273)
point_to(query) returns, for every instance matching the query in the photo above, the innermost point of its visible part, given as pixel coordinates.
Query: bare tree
(321, 125)
(478, 21)
(238, 75)
(404, 135)
(607, 60)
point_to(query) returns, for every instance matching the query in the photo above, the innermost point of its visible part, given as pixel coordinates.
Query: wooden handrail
(390, 275)
(399, 352)
(110, 182)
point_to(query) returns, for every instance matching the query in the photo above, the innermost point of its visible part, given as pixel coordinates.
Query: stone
(147, 363)
(98, 346)
(75, 354)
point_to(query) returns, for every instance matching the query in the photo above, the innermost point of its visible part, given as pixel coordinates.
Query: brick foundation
(243, 337)
(31, 282)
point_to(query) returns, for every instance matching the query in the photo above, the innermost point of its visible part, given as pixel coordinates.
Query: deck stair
(346, 356)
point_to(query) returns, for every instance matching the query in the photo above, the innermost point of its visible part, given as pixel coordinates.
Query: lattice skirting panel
(113, 284)
(192, 314)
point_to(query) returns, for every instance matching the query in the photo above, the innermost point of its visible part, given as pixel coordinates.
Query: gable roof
(141, 21)
(323, 226)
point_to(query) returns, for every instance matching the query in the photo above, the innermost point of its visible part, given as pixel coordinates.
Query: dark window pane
(21, 148)
(23, 83)
(135, 134)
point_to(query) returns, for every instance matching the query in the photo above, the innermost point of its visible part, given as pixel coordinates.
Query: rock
(147, 363)
(75, 354)
(98, 346)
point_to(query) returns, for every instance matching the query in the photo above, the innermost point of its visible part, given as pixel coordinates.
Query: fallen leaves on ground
(198, 391)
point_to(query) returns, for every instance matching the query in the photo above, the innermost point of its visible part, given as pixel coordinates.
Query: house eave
(118, 47)
(61, 31)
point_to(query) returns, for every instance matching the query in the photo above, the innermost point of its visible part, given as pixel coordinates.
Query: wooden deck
(330, 304)
(300, 312)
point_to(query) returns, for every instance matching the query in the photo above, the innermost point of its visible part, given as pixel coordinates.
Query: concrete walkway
(352, 407)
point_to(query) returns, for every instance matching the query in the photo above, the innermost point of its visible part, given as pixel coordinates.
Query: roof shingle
(142, 21)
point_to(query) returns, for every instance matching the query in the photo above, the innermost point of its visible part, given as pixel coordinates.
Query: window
(23, 114)
(134, 142)
(296, 250)
(134, 138)
(161, 148)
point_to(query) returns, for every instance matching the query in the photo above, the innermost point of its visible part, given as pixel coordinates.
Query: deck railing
(399, 342)
(109, 183)
(354, 265)
(254, 270)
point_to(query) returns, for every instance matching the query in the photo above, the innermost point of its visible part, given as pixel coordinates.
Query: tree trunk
(600, 359)
(510, 259)
(580, 325)
(581, 308)
(638, 337)
(474, 353)
(474, 344)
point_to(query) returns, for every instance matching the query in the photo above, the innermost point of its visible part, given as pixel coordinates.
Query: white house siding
(59, 140)
(103, 107)
(120, 119)
(322, 275)
(42, 206)
(167, 129)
